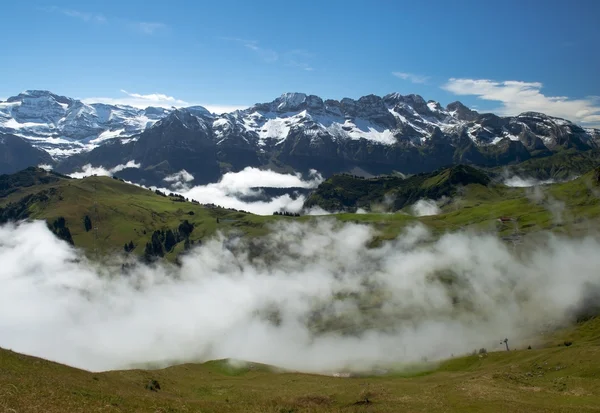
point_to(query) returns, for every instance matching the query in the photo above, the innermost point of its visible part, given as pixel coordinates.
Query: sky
(506, 57)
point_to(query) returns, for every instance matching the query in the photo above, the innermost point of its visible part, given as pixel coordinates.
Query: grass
(552, 378)
(124, 212)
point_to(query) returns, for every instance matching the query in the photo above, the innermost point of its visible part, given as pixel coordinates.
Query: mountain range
(295, 132)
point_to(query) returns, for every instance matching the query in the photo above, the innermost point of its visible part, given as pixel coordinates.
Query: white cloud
(46, 166)
(149, 27)
(85, 16)
(180, 180)
(235, 190)
(89, 170)
(292, 58)
(411, 77)
(316, 211)
(268, 55)
(298, 59)
(425, 207)
(518, 97)
(57, 305)
(77, 14)
(519, 182)
(158, 100)
(219, 109)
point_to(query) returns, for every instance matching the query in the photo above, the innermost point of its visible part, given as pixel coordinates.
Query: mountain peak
(290, 101)
(37, 94)
(462, 112)
(200, 111)
(182, 117)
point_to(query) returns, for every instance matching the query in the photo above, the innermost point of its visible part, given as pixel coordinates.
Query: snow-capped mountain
(295, 131)
(63, 126)
(395, 119)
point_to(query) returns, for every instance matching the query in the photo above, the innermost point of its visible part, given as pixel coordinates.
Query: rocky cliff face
(17, 154)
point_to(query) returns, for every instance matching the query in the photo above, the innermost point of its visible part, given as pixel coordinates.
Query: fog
(425, 207)
(233, 186)
(89, 170)
(524, 182)
(310, 297)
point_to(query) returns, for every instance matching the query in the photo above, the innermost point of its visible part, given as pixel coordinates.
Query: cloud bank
(520, 182)
(413, 78)
(517, 97)
(425, 207)
(160, 100)
(235, 188)
(310, 297)
(89, 170)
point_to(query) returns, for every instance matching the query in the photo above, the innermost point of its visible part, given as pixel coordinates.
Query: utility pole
(505, 341)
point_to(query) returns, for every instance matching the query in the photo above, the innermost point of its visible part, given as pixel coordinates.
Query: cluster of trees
(16, 211)
(286, 213)
(178, 198)
(128, 247)
(60, 229)
(87, 223)
(163, 241)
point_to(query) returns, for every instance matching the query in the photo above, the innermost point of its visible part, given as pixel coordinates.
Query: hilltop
(348, 193)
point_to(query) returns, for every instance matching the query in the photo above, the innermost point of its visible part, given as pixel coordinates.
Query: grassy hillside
(475, 203)
(126, 213)
(551, 377)
(565, 164)
(347, 193)
(122, 212)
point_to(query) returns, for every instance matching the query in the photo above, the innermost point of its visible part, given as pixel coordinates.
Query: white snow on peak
(291, 100)
(433, 106)
(106, 135)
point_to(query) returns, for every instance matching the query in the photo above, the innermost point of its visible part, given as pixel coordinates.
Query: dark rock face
(17, 154)
(462, 112)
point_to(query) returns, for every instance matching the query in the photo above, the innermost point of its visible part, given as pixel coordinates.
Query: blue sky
(505, 56)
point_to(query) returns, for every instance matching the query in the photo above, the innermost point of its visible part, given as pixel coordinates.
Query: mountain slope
(347, 192)
(16, 154)
(122, 212)
(64, 126)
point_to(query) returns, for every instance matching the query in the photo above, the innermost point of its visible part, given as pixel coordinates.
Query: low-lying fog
(233, 190)
(310, 297)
